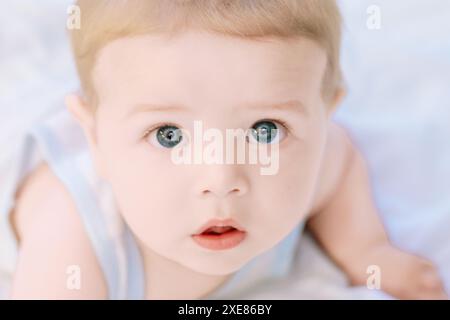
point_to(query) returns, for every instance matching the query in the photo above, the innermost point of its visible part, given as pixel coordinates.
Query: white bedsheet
(398, 109)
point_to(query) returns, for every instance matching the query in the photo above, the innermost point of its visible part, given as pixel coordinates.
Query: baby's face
(149, 86)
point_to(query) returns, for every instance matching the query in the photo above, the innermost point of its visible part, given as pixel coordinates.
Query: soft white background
(398, 104)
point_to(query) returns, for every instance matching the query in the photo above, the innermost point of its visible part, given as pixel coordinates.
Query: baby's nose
(221, 181)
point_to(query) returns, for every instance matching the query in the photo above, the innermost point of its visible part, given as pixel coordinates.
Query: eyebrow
(290, 106)
(146, 107)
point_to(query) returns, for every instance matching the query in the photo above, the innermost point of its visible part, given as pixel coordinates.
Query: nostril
(208, 192)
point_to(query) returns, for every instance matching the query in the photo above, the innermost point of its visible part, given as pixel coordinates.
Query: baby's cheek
(154, 197)
(153, 215)
(300, 171)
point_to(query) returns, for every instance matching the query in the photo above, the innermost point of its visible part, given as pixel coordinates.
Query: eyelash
(283, 123)
(160, 125)
(157, 126)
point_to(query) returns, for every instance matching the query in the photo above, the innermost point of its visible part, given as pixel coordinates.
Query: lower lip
(222, 241)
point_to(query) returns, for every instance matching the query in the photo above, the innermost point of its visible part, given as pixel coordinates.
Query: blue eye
(266, 131)
(167, 136)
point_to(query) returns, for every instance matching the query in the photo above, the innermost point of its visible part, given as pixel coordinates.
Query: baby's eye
(167, 136)
(267, 131)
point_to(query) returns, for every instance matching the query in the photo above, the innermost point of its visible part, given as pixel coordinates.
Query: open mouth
(218, 230)
(219, 238)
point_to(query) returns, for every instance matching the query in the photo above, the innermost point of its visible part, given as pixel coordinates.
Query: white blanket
(398, 109)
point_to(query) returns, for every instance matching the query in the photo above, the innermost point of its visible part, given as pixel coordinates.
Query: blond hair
(103, 21)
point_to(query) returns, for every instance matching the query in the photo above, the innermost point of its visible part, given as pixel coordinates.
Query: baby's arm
(52, 239)
(348, 227)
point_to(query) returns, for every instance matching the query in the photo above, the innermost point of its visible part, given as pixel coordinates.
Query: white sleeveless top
(60, 142)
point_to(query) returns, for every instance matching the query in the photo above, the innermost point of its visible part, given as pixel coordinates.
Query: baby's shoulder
(41, 197)
(337, 155)
(53, 242)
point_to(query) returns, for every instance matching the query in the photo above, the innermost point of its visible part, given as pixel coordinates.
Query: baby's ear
(85, 117)
(339, 95)
(80, 110)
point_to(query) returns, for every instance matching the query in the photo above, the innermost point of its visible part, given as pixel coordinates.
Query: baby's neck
(166, 280)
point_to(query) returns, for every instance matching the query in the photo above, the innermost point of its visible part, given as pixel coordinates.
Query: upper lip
(220, 223)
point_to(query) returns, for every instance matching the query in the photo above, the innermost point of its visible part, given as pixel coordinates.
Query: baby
(152, 72)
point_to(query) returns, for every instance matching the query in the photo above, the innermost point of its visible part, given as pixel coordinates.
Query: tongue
(218, 230)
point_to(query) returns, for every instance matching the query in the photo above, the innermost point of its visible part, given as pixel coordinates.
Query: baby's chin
(214, 263)
(212, 269)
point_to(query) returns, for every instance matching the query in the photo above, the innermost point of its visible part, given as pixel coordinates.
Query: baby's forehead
(202, 49)
(196, 63)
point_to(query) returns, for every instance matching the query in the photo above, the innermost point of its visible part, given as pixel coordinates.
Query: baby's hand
(403, 275)
(346, 223)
